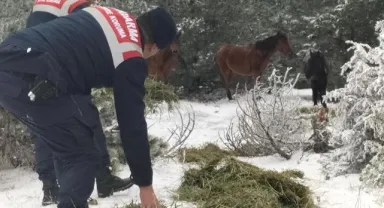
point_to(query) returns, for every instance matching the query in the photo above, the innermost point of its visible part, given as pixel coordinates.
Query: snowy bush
(372, 174)
(361, 108)
(267, 121)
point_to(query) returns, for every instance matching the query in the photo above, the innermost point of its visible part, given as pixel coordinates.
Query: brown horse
(250, 60)
(161, 64)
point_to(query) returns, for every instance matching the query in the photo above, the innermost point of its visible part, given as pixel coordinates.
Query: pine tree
(361, 109)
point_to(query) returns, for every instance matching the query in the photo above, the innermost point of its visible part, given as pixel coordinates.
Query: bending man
(47, 73)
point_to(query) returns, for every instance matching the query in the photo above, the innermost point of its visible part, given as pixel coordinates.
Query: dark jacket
(44, 12)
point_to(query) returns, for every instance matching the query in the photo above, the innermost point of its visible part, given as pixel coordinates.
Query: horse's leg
(249, 82)
(225, 73)
(165, 80)
(257, 73)
(162, 75)
(315, 89)
(254, 79)
(167, 70)
(314, 94)
(322, 92)
(229, 81)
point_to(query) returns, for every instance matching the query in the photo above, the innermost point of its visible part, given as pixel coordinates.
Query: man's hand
(148, 198)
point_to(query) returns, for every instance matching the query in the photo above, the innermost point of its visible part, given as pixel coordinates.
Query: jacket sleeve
(36, 18)
(129, 92)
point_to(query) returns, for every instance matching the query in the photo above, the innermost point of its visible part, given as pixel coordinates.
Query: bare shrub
(16, 146)
(159, 147)
(319, 140)
(180, 133)
(267, 120)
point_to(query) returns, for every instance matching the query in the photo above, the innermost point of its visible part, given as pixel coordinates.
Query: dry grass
(157, 93)
(136, 205)
(201, 155)
(313, 110)
(223, 181)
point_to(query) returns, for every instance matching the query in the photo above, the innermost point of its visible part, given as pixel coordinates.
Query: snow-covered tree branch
(179, 135)
(267, 120)
(361, 107)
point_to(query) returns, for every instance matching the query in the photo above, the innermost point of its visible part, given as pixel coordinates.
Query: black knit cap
(163, 27)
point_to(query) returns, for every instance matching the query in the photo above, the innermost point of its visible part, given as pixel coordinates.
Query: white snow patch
(339, 192)
(21, 188)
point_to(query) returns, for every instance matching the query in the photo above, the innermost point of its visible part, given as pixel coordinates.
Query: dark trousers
(67, 125)
(46, 162)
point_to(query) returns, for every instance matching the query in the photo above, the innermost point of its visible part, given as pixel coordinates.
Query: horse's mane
(267, 43)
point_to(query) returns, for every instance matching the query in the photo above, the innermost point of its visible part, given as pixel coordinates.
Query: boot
(51, 193)
(108, 183)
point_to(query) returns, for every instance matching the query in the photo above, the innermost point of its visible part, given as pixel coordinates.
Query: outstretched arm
(129, 95)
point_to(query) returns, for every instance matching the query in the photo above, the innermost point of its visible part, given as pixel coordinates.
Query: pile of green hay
(223, 181)
(158, 92)
(204, 154)
(135, 205)
(157, 147)
(155, 94)
(311, 110)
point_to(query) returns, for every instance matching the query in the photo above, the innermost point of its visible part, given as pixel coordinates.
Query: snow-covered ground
(20, 188)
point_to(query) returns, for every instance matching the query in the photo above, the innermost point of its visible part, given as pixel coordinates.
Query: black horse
(316, 71)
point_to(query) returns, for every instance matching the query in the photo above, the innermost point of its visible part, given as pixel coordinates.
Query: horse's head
(283, 45)
(165, 61)
(317, 57)
(316, 60)
(175, 45)
(316, 54)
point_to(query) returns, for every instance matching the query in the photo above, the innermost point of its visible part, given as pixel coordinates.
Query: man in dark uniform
(46, 76)
(44, 11)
